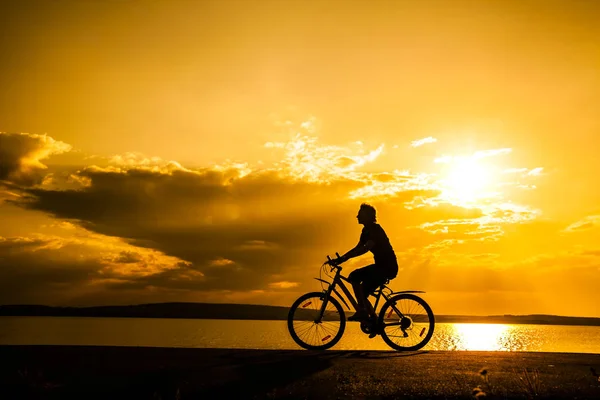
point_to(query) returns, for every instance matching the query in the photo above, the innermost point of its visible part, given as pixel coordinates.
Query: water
(274, 335)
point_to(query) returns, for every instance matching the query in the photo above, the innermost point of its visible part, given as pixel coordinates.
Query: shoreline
(232, 311)
(439, 320)
(101, 372)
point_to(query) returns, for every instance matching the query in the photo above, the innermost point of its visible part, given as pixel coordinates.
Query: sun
(466, 180)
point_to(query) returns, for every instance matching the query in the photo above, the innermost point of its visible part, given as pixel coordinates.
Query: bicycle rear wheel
(407, 322)
(311, 332)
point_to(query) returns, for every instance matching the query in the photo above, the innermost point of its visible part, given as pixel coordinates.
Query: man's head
(366, 214)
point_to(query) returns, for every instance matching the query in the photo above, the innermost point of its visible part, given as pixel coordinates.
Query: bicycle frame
(339, 279)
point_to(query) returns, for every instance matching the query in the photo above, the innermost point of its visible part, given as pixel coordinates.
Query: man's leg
(367, 287)
(360, 283)
(359, 293)
(356, 277)
(372, 281)
(361, 312)
(368, 306)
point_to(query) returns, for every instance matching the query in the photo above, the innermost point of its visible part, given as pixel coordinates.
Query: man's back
(382, 250)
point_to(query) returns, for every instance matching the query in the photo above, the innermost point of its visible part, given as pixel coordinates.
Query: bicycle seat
(378, 289)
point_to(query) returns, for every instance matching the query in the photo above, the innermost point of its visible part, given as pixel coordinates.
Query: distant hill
(253, 312)
(158, 310)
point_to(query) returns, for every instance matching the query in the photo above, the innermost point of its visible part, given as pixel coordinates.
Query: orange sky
(217, 151)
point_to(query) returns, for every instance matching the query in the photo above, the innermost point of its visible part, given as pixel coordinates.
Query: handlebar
(330, 262)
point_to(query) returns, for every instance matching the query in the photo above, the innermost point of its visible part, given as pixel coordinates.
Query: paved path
(160, 373)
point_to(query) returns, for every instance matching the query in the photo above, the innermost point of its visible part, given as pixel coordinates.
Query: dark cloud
(267, 223)
(61, 271)
(127, 257)
(20, 156)
(32, 270)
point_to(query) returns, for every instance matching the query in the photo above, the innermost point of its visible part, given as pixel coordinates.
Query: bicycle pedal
(377, 330)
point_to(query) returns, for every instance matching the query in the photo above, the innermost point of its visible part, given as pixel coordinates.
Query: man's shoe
(375, 330)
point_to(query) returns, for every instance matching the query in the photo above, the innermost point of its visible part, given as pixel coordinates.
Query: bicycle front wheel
(406, 322)
(310, 329)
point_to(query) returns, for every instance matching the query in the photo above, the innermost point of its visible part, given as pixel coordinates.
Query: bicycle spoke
(331, 330)
(304, 330)
(313, 329)
(417, 327)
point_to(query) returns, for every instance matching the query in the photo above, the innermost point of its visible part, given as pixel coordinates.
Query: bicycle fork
(324, 305)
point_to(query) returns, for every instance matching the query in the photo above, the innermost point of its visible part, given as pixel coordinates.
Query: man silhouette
(367, 279)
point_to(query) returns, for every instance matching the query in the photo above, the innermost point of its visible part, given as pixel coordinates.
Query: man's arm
(358, 250)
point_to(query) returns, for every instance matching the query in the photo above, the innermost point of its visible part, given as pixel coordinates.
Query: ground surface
(71, 372)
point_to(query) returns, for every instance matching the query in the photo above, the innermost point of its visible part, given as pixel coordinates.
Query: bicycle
(316, 320)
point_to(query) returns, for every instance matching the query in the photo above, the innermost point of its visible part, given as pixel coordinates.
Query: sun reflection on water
(488, 337)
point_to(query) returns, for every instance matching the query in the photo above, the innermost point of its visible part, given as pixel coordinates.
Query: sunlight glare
(486, 337)
(466, 180)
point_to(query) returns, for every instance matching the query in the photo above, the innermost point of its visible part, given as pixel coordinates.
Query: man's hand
(339, 260)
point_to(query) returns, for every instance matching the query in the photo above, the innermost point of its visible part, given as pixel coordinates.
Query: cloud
(483, 256)
(257, 221)
(587, 223)
(488, 283)
(421, 142)
(256, 245)
(536, 171)
(443, 159)
(491, 153)
(221, 262)
(593, 253)
(127, 257)
(238, 228)
(468, 229)
(304, 158)
(58, 270)
(283, 285)
(230, 229)
(477, 155)
(135, 159)
(234, 227)
(525, 172)
(21, 155)
(515, 170)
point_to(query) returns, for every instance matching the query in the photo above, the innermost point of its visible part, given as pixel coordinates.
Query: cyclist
(367, 279)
